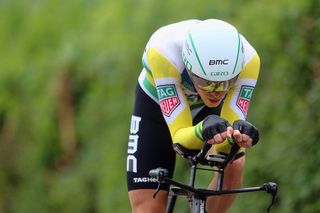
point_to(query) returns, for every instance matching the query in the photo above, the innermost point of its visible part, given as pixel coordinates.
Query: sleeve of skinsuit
(237, 101)
(172, 101)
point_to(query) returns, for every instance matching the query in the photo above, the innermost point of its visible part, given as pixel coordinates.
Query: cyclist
(197, 80)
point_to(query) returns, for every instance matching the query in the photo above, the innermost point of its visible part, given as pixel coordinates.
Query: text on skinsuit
(144, 180)
(133, 144)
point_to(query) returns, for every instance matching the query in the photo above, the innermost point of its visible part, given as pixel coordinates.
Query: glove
(248, 129)
(213, 125)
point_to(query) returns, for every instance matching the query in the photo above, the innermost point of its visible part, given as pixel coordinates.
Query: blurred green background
(68, 70)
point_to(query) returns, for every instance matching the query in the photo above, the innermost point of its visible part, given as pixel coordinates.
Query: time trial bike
(197, 196)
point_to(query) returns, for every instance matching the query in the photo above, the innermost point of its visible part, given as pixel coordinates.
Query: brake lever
(160, 176)
(271, 188)
(157, 190)
(200, 156)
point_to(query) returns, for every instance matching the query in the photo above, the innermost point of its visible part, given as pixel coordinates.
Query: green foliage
(83, 57)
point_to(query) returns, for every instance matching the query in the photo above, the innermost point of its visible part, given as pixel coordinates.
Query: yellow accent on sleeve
(182, 131)
(251, 70)
(226, 112)
(150, 79)
(187, 139)
(160, 66)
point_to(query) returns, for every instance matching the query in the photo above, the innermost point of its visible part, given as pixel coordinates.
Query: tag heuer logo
(168, 99)
(244, 98)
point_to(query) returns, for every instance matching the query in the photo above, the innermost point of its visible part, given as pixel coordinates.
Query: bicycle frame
(197, 196)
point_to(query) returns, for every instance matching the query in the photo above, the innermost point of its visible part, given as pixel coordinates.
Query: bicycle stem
(193, 172)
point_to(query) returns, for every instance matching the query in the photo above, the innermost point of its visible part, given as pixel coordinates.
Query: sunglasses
(212, 86)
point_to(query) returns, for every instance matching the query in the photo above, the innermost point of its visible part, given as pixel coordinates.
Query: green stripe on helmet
(195, 51)
(237, 54)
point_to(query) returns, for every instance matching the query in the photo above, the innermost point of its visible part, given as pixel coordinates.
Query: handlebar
(233, 152)
(161, 173)
(230, 157)
(162, 176)
(201, 155)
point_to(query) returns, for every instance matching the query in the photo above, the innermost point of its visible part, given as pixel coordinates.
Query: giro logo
(244, 98)
(225, 73)
(219, 62)
(168, 99)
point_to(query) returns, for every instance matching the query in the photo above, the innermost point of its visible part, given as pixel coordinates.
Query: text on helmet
(225, 73)
(219, 62)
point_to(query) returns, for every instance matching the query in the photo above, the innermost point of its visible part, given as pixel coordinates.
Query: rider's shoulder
(178, 27)
(249, 50)
(167, 42)
(171, 35)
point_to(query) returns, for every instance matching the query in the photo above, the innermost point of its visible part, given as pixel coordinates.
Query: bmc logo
(219, 62)
(133, 144)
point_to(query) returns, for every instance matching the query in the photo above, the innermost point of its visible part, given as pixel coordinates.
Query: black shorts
(150, 143)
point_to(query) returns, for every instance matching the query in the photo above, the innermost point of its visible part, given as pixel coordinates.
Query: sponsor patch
(168, 98)
(244, 98)
(144, 180)
(132, 163)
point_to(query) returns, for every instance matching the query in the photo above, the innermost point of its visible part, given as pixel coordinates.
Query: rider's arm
(238, 98)
(173, 102)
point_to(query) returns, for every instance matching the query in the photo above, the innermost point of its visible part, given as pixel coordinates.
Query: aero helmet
(213, 51)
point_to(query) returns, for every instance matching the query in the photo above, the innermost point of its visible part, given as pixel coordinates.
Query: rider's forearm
(189, 137)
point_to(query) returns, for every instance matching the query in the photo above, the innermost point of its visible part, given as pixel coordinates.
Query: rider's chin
(212, 102)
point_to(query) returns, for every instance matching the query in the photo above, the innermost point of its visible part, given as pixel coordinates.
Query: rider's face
(211, 99)
(211, 92)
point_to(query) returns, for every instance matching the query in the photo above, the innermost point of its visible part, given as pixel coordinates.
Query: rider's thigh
(142, 201)
(149, 145)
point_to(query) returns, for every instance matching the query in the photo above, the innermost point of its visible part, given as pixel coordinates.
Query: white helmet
(213, 51)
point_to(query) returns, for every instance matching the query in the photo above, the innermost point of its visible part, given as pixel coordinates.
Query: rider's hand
(245, 134)
(215, 129)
